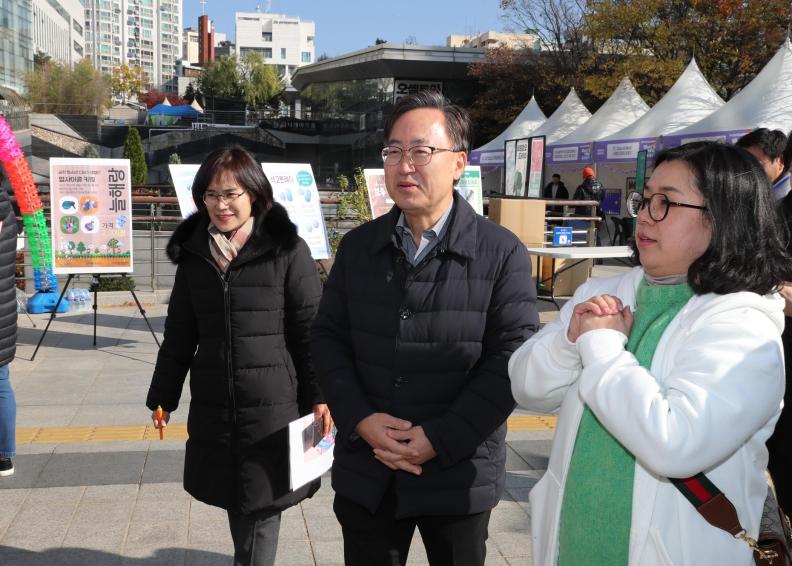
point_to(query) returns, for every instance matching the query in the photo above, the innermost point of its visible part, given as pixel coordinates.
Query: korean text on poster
(379, 199)
(91, 207)
(294, 187)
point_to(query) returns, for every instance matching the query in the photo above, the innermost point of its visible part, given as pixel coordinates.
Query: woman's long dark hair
(748, 249)
(243, 167)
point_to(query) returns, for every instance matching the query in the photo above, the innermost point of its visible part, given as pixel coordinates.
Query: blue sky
(348, 25)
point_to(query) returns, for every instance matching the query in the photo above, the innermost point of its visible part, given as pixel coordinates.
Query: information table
(575, 253)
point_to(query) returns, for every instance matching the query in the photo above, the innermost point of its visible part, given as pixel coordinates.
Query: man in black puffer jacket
(420, 314)
(8, 332)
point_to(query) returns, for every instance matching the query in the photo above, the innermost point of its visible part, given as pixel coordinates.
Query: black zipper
(227, 312)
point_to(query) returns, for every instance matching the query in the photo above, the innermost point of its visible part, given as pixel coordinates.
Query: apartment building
(146, 33)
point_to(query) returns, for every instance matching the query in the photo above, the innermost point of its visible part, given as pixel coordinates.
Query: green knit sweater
(596, 512)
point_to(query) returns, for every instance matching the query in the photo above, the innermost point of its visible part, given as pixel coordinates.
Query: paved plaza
(95, 486)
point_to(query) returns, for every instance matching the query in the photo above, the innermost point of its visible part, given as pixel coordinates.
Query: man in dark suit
(555, 190)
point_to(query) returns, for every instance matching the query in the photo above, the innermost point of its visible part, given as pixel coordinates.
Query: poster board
(91, 215)
(182, 176)
(310, 454)
(378, 196)
(536, 169)
(469, 187)
(611, 203)
(509, 149)
(521, 156)
(294, 187)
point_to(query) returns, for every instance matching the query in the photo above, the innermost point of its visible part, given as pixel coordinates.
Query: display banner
(91, 215)
(569, 153)
(469, 187)
(640, 172)
(379, 199)
(521, 155)
(536, 171)
(182, 176)
(623, 150)
(509, 148)
(294, 186)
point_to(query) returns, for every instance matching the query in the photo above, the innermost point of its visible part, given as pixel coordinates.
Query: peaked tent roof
(166, 102)
(522, 126)
(623, 108)
(689, 100)
(181, 110)
(766, 102)
(565, 120)
(197, 106)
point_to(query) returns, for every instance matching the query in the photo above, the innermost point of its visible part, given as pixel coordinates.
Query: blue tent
(164, 115)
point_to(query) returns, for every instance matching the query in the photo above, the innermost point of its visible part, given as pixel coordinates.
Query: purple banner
(623, 150)
(486, 157)
(726, 136)
(569, 153)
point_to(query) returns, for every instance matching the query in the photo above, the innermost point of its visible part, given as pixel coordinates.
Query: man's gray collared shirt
(429, 237)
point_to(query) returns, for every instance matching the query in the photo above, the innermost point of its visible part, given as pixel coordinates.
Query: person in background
(239, 317)
(774, 153)
(590, 189)
(780, 444)
(672, 369)
(422, 309)
(8, 331)
(555, 190)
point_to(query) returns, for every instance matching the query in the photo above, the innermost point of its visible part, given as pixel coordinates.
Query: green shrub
(123, 283)
(133, 150)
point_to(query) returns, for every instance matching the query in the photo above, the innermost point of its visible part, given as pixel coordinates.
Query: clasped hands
(601, 311)
(396, 442)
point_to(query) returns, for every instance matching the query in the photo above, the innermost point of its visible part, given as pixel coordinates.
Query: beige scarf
(225, 248)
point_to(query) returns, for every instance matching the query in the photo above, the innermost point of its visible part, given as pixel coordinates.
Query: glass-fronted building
(337, 118)
(16, 43)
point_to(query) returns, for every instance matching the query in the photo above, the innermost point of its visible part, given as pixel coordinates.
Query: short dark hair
(556, 175)
(243, 167)
(773, 143)
(458, 123)
(747, 251)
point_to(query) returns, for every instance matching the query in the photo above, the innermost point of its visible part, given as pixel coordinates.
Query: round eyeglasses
(658, 205)
(416, 155)
(212, 197)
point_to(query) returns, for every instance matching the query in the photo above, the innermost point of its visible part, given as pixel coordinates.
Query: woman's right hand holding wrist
(600, 311)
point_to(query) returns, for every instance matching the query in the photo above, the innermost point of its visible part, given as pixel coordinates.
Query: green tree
(53, 87)
(40, 59)
(81, 247)
(133, 150)
(260, 82)
(128, 81)
(221, 78)
(113, 244)
(380, 41)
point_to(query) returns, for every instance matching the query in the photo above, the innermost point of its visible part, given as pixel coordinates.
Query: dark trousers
(779, 444)
(255, 538)
(382, 540)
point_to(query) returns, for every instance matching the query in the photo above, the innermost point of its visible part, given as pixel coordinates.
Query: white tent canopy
(623, 108)
(689, 100)
(766, 102)
(523, 125)
(565, 120)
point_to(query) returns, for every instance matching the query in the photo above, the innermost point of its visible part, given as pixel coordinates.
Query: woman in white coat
(672, 369)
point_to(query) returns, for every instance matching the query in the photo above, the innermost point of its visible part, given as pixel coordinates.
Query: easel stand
(95, 282)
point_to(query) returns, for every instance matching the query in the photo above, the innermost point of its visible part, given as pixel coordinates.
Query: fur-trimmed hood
(271, 230)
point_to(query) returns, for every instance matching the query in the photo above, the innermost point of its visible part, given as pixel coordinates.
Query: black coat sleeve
(303, 290)
(331, 343)
(486, 401)
(178, 347)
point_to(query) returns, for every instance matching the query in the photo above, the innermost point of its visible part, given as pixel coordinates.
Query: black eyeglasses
(658, 205)
(417, 154)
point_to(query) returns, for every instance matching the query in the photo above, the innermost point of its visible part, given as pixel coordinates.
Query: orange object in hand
(159, 418)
